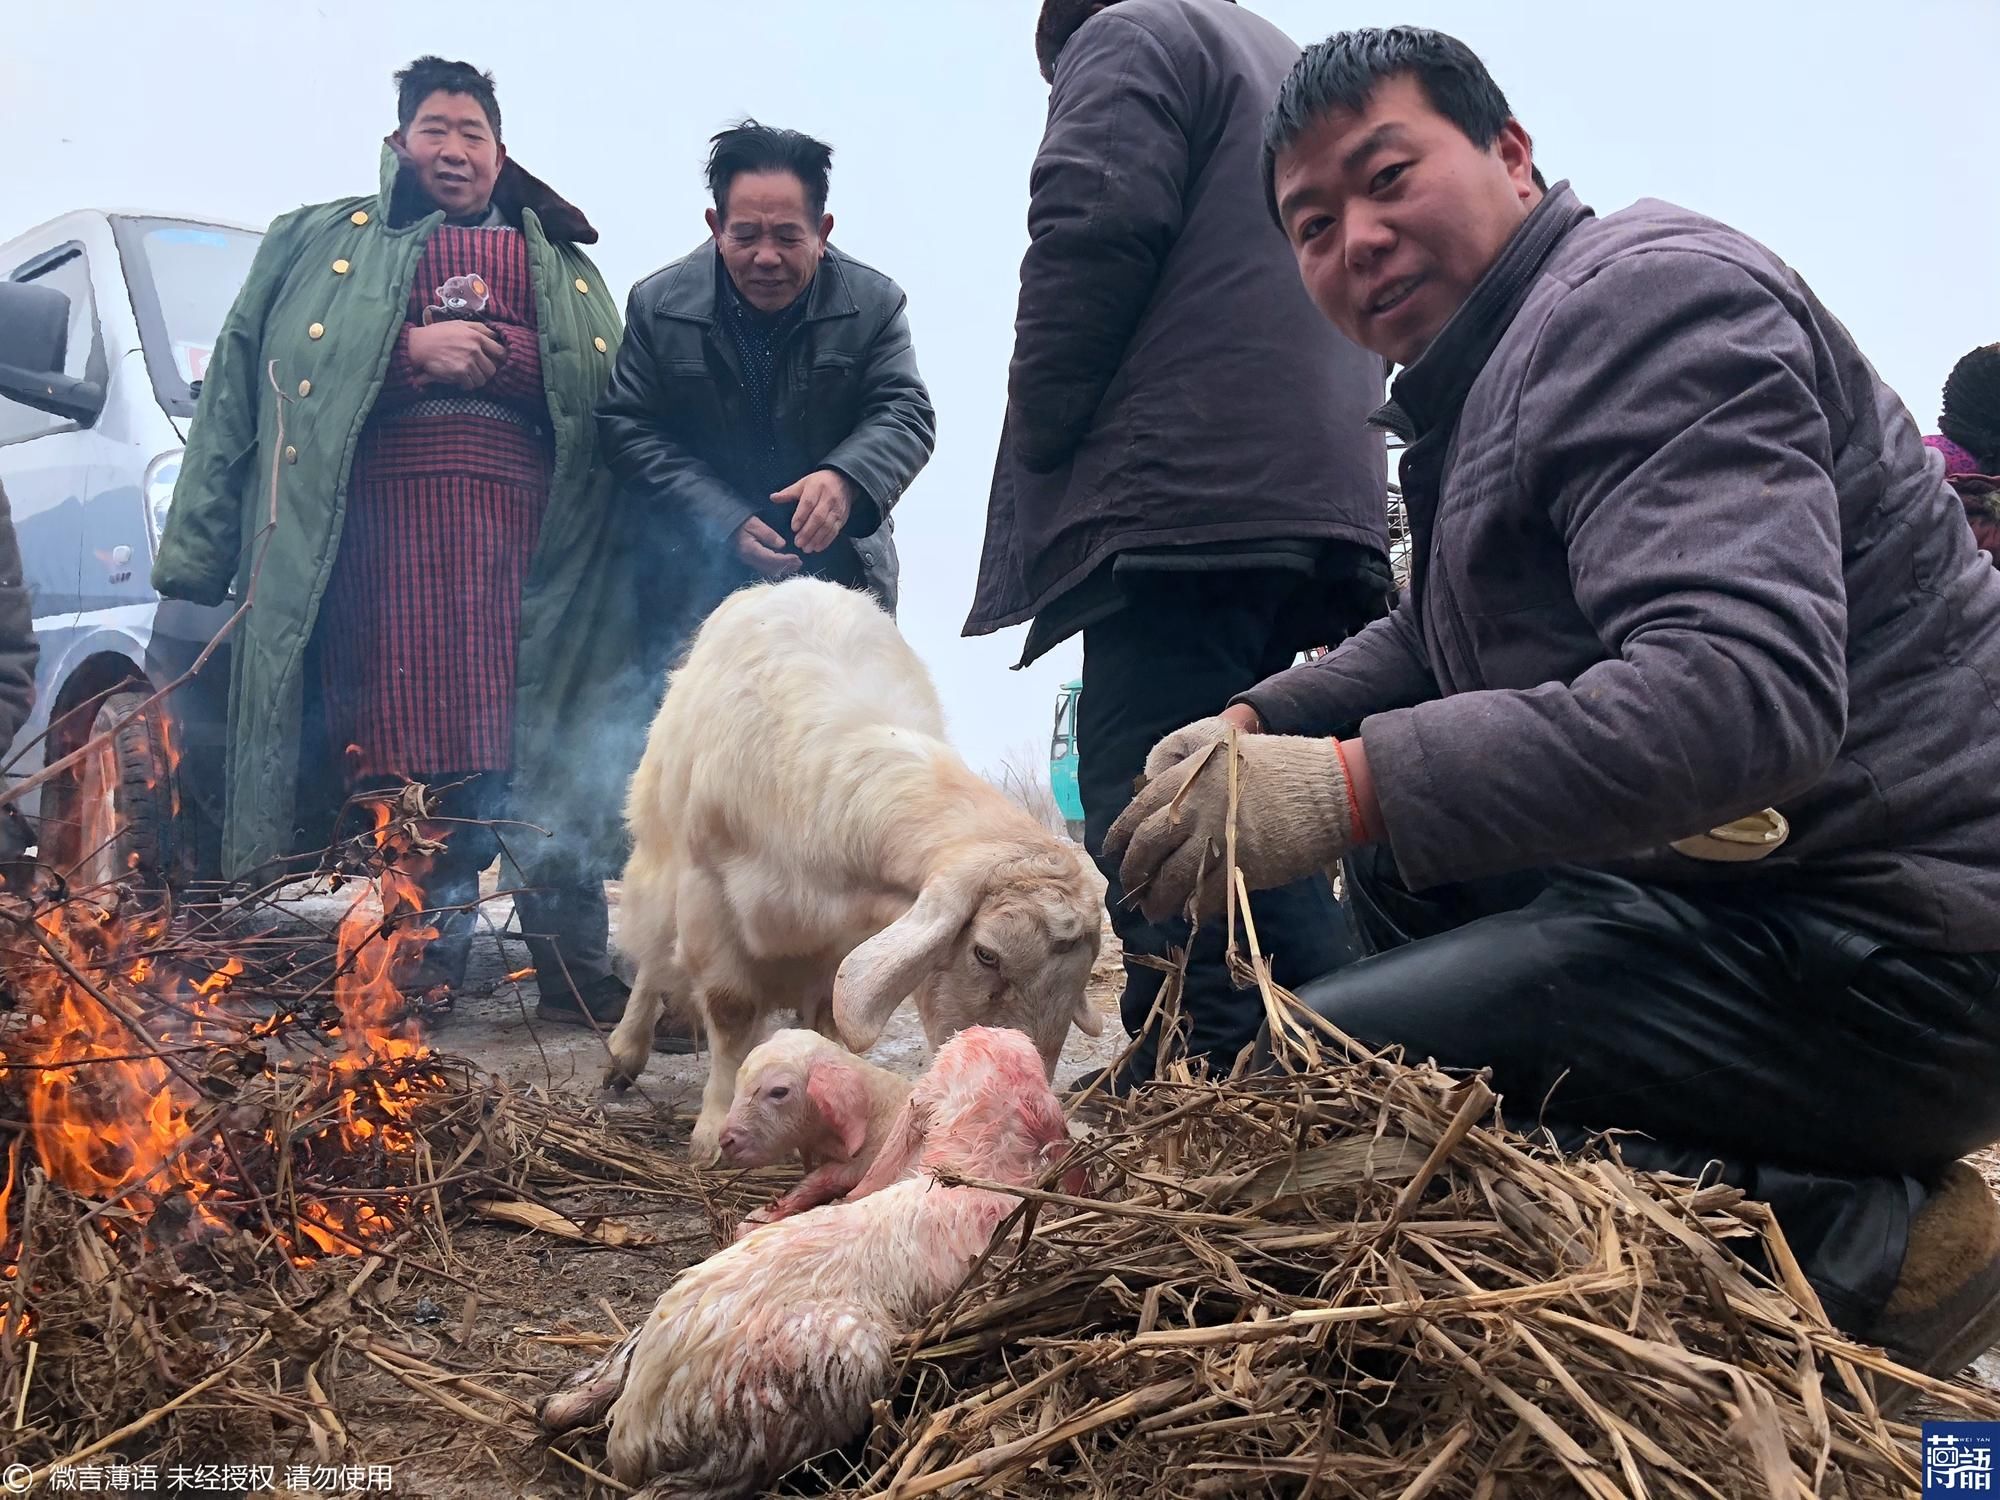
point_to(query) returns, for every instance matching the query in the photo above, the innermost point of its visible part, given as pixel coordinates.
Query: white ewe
(804, 836)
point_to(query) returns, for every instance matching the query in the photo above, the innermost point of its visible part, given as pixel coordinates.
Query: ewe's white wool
(805, 837)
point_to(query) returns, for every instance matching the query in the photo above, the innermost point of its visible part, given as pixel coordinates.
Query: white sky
(1859, 141)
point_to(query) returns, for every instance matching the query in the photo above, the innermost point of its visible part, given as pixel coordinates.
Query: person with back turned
(1186, 477)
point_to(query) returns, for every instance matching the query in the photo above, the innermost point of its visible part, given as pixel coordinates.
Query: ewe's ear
(837, 1092)
(1088, 1021)
(879, 974)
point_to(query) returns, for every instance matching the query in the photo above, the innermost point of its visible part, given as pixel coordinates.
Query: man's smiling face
(1394, 214)
(455, 151)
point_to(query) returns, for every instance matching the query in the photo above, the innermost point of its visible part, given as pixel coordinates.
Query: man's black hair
(750, 147)
(1971, 415)
(427, 75)
(1343, 71)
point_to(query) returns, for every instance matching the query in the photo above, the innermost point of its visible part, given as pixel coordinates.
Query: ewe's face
(1022, 962)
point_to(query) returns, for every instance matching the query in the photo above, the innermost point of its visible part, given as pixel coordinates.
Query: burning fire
(380, 939)
(11, 1271)
(111, 1059)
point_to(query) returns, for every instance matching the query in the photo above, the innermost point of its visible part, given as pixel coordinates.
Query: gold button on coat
(316, 330)
(582, 285)
(305, 387)
(601, 345)
(359, 216)
(340, 268)
(291, 454)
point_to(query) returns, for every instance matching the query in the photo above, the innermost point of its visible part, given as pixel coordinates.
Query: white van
(90, 444)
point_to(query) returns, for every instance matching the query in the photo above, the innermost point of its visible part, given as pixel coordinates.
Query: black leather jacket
(675, 420)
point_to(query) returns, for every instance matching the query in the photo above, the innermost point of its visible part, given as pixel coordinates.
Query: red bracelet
(1361, 835)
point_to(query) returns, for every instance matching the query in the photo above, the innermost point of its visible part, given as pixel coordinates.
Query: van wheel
(118, 809)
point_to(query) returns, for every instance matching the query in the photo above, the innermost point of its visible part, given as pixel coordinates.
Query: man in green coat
(445, 595)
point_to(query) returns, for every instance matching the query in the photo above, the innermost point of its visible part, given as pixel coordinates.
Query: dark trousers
(561, 907)
(1744, 1032)
(1180, 647)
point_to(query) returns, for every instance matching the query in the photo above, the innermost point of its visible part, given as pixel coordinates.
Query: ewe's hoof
(627, 1061)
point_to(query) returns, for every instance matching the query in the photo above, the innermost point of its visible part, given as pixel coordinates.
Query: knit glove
(1294, 815)
(1183, 742)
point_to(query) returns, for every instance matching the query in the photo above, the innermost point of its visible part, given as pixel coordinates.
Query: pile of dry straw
(1341, 1278)
(1347, 1279)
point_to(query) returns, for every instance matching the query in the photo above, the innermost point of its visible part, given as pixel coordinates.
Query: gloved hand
(1294, 815)
(1183, 742)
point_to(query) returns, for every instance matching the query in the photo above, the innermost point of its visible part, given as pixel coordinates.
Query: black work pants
(1177, 650)
(1743, 1032)
(562, 910)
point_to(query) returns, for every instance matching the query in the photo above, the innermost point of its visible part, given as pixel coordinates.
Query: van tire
(131, 783)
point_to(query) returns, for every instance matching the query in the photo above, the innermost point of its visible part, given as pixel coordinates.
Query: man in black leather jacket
(765, 407)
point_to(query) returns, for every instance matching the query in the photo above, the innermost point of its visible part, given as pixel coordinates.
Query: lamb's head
(982, 1109)
(796, 1091)
(1004, 935)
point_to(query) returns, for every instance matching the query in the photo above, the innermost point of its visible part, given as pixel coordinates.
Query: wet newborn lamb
(773, 1349)
(801, 1093)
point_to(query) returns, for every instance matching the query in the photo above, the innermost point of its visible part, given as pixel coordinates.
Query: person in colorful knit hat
(1969, 438)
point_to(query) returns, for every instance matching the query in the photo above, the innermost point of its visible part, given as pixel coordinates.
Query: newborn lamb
(774, 1348)
(799, 1093)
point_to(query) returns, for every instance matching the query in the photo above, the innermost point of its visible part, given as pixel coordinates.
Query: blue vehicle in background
(1062, 759)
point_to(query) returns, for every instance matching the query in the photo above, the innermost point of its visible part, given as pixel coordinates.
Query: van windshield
(183, 276)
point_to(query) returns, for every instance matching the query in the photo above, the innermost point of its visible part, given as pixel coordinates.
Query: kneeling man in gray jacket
(1671, 789)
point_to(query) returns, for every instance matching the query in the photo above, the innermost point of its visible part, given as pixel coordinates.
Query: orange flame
(11, 1271)
(104, 1117)
(7, 1187)
(168, 730)
(379, 940)
(108, 1117)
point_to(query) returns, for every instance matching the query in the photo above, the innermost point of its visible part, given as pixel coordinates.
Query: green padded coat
(324, 300)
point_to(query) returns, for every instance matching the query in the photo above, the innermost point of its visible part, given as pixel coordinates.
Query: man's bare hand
(460, 353)
(763, 549)
(825, 499)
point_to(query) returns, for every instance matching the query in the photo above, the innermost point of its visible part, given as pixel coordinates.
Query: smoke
(1023, 774)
